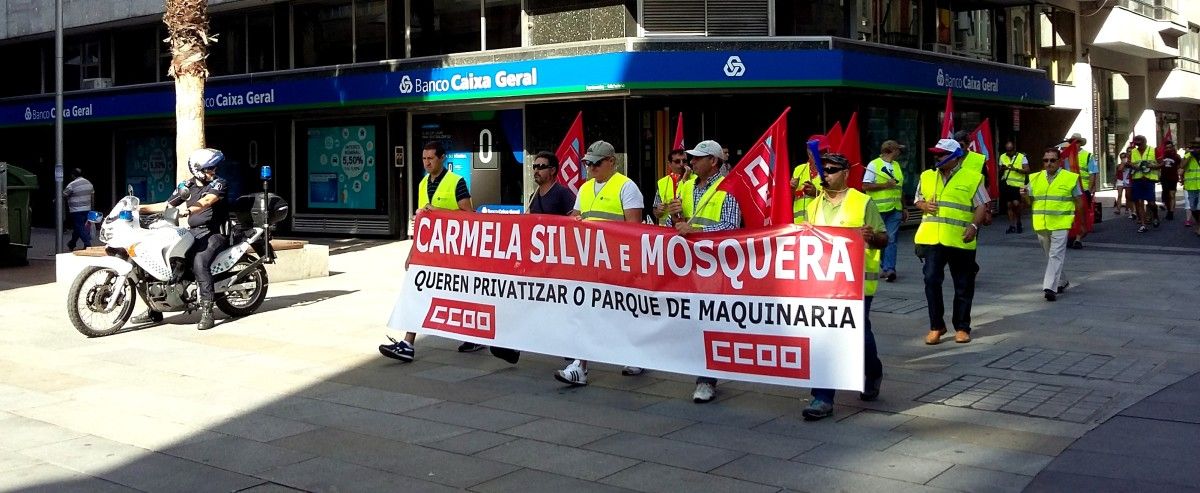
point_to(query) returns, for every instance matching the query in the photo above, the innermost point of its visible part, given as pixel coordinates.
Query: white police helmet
(202, 159)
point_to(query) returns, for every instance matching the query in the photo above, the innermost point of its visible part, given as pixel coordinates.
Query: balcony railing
(1180, 63)
(1163, 10)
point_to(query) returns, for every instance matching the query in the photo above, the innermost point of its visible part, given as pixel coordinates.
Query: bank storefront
(346, 142)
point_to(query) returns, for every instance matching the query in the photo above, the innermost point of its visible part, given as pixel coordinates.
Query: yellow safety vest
(667, 193)
(1136, 158)
(955, 211)
(1191, 173)
(852, 214)
(1053, 201)
(887, 200)
(802, 173)
(606, 205)
(974, 162)
(1012, 177)
(443, 198)
(1084, 173)
(709, 204)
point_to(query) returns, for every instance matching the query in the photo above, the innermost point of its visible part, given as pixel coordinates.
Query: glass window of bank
(439, 27)
(331, 32)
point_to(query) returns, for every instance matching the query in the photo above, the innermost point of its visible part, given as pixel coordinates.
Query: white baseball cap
(707, 148)
(949, 146)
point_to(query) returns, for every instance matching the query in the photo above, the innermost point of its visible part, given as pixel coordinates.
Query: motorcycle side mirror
(264, 172)
(129, 190)
(94, 216)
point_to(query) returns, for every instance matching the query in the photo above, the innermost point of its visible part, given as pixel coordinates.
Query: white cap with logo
(706, 148)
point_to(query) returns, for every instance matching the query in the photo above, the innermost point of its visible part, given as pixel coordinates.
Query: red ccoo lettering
(461, 317)
(757, 354)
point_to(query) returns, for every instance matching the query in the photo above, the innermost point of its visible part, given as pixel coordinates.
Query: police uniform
(206, 228)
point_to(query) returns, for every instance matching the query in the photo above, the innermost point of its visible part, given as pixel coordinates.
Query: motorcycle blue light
(94, 216)
(264, 172)
(126, 215)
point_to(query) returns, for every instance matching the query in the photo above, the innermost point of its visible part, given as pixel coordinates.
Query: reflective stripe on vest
(1191, 174)
(1053, 202)
(1136, 158)
(444, 197)
(605, 206)
(887, 200)
(852, 214)
(802, 175)
(710, 203)
(955, 211)
(1012, 177)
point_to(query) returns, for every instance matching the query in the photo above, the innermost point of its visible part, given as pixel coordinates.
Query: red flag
(948, 116)
(678, 142)
(834, 136)
(852, 150)
(761, 181)
(981, 142)
(569, 154)
(1167, 137)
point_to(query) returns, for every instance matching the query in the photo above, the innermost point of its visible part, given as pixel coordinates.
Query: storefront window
(339, 172)
(503, 19)
(87, 63)
(149, 165)
(260, 41)
(228, 55)
(137, 55)
(370, 30)
(28, 56)
(973, 36)
(485, 148)
(324, 33)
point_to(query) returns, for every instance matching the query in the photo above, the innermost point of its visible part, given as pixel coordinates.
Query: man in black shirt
(206, 212)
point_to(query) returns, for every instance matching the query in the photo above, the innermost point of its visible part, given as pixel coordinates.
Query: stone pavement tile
(39, 379)
(664, 451)
(364, 421)
(470, 415)
(876, 420)
(883, 464)
(744, 440)
(1167, 411)
(1058, 482)
(807, 477)
(1157, 470)
(975, 480)
(832, 432)
(726, 412)
(50, 478)
(468, 391)
(961, 452)
(13, 398)
(513, 380)
(560, 432)
(20, 432)
(14, 460)
(138, 468)
(592, 394)
(568, 461)
(653, 478)
(470, 443)
(677, 389)
(451, 374)
(267, 487)
(605, 417)
(261, 427)
(414, 461)
(534, 481)
(377, 400)
(1145, 438)
(118, 424)
(325, 474)
(1003, 430)
(237, 454)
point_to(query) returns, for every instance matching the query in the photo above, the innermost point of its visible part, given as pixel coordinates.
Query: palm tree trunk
(187, 27)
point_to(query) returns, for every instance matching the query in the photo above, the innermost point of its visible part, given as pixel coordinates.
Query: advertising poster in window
(341, 167)
(150, 167)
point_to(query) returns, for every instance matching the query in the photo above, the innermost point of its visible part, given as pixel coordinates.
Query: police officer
(206, 212)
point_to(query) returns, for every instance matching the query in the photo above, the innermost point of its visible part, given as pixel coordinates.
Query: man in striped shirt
(79, 194)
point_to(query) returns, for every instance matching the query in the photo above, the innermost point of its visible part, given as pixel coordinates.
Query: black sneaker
(1050, 295)
(1077, 245)
(1154, 222)
(871, 389)
(398, 350)
(891, 276)
(1010, 230)
(509, 355)
(470, 347)
(1064, 286)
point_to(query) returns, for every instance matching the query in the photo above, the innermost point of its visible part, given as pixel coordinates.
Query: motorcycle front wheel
(245, 297)
(88, 299)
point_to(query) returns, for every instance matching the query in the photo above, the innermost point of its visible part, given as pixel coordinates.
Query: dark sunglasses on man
(833, 170)
(592, 164)
(540, 167)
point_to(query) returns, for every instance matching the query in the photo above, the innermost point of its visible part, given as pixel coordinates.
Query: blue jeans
(873, 368)
(79, 229)
(891, 220)
(963, 270)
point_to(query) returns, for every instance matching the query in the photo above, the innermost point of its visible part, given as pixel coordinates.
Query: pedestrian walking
(1144, 179)
(1121, 185)
(883, 181)
(606, 196)
(1169, 177)
(440, 189)
(1190, 176)
(702, 207)
(80, 195)
(1015, 176)
(1054, 193)
(954, 202)
(839, 205)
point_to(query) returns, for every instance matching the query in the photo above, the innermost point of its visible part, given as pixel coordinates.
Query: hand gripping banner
(779, 305)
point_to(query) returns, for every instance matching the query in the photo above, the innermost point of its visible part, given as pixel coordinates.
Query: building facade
(338, 96)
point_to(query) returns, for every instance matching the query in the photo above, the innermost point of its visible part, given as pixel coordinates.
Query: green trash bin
(16, 192)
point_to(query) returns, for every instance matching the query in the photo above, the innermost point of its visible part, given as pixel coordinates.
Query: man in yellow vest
(606, 196)
(1054, 193)
(803, 182)
(701, 207)
(1014, 174)
(839, 205)
(884, 183)
(668, 186)
(1145, 179)
(954, 202)
(444, 190)
(1189, 175)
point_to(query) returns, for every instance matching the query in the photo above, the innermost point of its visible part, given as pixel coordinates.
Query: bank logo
(28, 114)
(406, 85)
(734, 67)
(941, 78)
(757, 354)
(461, 317)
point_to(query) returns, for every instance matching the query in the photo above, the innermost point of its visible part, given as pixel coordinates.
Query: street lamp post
(58, 126)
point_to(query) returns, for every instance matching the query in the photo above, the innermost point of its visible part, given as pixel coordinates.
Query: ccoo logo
(461, 317)
(406, 85)
(734, 67)
(757, 354)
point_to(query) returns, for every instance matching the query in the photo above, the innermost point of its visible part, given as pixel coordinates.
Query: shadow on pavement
(38, 272)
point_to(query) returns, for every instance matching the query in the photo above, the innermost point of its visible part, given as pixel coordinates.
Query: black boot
(206, 316)
(147, 317)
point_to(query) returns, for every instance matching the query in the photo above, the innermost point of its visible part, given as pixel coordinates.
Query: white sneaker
(704, 393)
(631, 370)
(573, 375)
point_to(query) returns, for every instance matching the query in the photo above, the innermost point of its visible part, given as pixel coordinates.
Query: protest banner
(779, 305)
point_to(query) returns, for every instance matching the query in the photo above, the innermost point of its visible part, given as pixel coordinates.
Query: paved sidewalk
(296, 396)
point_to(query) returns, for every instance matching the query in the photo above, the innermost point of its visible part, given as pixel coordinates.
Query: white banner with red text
(781, 305)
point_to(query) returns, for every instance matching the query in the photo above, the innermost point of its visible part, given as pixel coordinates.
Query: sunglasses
(592, 164)
(1044, 160)
(542, 166)
(834, 171)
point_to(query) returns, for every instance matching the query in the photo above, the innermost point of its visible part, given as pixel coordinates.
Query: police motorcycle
(145, 257)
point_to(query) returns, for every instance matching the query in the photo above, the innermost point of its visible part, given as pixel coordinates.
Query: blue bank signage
(628, 71)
